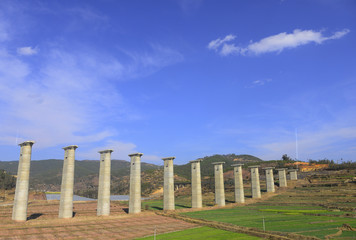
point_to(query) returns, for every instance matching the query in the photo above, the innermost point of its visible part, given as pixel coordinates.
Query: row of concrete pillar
(239, 189)
(103, 207)
(19, 212)
(66, 199)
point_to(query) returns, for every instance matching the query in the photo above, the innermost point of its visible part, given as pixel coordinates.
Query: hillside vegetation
(206, 164)
(46, 175)
(7, 181)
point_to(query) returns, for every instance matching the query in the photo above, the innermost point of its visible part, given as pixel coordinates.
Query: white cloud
(27, 51)
(279, 42)
(228, 49)
(63, 103)
(274, 43)
(11, 68)
(72, 98)
(215, 44)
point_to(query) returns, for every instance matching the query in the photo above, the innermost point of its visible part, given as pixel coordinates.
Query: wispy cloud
(312, 144)
(215, 44)
(145, 63)
(189, 6)
(3, 30)
(121, 151)
(275, 43)
(70, 97)
(53, 108)
(87, 14)
(27, 51)
(259, 82)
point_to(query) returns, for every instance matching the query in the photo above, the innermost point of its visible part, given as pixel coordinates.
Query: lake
(79, 198)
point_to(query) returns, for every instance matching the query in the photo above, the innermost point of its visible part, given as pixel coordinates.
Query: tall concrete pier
(282, 177)
(196, 184)
(239, 184)
(66, 202)
(168, 188)
(135, 183)
(19, 210)
(103, 208)
(255, 182)
(219, 183)
(269, 179)
(293, 174)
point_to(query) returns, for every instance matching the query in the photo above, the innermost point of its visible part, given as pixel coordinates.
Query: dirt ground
(43, 223)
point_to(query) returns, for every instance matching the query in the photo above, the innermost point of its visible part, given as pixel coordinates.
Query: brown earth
(43, 223)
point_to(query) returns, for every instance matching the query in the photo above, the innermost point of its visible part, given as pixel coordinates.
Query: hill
(46, 175)
(206, 164)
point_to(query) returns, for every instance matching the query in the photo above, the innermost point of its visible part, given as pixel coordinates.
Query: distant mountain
(46, 175)
(207, 167)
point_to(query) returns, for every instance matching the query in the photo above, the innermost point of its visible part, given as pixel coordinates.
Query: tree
(7, 181)
(286, 158)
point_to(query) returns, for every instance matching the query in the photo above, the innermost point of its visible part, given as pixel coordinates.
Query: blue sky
(184, 78)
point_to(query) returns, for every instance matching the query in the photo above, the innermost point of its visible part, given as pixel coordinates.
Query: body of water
(79, 198)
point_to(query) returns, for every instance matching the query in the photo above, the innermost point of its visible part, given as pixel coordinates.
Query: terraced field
(324, 209)
(205, 233)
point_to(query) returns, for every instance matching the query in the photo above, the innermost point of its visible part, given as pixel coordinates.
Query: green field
(205, 233)
(314, 211)
(319, 208)
(278, 219)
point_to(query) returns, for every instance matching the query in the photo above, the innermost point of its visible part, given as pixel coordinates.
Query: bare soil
(43, 223)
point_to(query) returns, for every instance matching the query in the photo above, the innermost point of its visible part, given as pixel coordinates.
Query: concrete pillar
(135, 183)
(66, 202)
(219, 183)
(293, 174)
(19, 210)
(168, 186)
(255, 182)
(104, 183)
(196, 184)
(282, 177)
(239, 184)
(269, 179)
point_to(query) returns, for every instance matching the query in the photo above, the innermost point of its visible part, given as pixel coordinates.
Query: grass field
(277, 219)
(205, 233)
(319, 209)
(313, 211)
